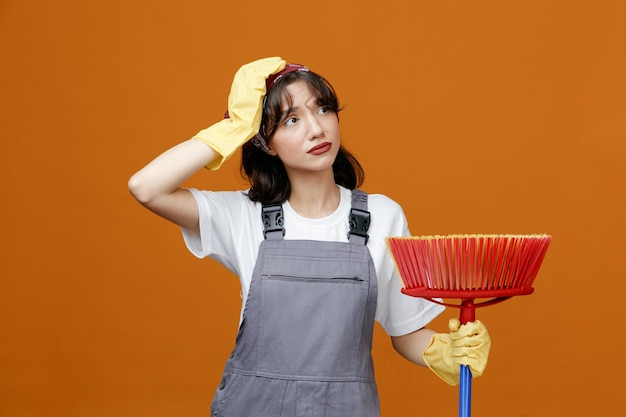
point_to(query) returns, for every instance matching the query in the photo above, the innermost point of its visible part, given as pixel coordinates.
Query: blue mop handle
(468, 314)
(465, 392)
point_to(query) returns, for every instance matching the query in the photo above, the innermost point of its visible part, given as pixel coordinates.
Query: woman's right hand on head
(245, 109)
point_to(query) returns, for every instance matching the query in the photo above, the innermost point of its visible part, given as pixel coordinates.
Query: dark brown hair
(268, 178)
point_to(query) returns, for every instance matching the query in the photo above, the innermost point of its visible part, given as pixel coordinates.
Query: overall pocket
(311, 325)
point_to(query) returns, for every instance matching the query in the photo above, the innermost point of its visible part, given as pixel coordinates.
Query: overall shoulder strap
(273, 221)
(359, 220)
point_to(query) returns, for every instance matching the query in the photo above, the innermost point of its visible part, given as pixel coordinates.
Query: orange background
(477, 116)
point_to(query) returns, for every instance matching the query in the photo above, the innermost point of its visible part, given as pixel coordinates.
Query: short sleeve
(397, 313)
(228, 232)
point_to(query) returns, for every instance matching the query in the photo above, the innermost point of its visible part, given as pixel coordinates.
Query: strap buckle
(359, 223)
(273, 220)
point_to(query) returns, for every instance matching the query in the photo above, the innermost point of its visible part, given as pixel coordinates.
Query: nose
(316, 129)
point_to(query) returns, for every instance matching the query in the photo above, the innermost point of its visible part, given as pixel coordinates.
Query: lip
(320, 149)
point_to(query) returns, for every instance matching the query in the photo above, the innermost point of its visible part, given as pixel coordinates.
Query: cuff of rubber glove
(215, 164)
(434, 358)
(224, 137)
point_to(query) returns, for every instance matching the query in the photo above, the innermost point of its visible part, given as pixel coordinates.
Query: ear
(272, 152)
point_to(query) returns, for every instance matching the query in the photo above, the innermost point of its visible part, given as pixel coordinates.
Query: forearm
(168, 171)
(158, 185)
(412, 345)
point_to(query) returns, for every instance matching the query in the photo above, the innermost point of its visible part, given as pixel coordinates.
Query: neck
(314, 197)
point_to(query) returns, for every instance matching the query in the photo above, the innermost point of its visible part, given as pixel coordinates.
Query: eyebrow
(318, 102)
(287, 112)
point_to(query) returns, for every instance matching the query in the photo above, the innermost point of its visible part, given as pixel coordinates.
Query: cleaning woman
(308, 247)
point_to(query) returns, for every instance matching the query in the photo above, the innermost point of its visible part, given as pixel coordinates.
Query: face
(307, 137)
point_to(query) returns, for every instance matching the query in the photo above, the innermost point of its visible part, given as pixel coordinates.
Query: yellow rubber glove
(245, 109)
(466, 344)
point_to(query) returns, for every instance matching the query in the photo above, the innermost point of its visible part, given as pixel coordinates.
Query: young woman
(308, 248)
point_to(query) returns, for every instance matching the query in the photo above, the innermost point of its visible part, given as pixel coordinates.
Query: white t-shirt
(231, 231)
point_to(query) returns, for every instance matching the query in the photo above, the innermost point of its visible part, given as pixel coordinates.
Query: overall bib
(304, 344)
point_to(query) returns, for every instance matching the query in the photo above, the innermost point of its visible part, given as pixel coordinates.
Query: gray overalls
(304, 345)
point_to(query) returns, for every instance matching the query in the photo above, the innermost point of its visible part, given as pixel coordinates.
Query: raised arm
(157, 185)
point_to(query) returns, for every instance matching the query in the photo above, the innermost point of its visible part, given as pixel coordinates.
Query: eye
(323, 110)
(290, 121)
